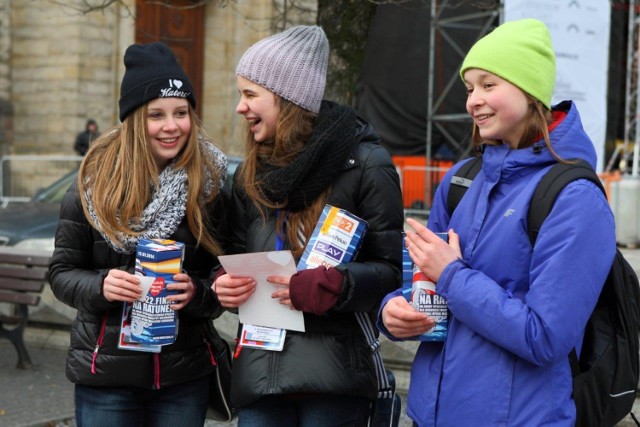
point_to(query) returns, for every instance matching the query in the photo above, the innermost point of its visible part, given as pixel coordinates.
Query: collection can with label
(425, 300)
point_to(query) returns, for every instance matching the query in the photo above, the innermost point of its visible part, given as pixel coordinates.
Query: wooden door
(180, 25)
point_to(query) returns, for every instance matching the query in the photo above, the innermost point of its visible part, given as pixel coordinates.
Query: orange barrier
(419, 181)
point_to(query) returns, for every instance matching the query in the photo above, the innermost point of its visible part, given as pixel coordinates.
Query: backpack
(605, 378)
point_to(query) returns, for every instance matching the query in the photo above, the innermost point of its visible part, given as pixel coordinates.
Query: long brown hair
(538, 120)
(293, 128)
(119, 169)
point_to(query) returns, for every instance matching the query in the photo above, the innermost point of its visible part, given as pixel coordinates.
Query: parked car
(32, 225)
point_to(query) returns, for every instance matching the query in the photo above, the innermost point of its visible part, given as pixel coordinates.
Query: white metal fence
(21, 176)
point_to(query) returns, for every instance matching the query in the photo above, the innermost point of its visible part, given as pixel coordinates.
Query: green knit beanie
(520, 52)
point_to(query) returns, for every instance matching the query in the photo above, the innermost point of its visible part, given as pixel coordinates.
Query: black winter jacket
(80, 262)
(332, 356)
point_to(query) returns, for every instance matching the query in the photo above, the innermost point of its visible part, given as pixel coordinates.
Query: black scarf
(299, 183)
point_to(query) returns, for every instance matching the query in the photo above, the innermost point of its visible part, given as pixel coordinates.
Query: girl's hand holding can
(403, 321)
(185, 287)
(121, 286)
(429, 252)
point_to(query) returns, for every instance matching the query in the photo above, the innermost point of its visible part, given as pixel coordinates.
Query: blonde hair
(119, 170)
(293, 128)
(538, 120)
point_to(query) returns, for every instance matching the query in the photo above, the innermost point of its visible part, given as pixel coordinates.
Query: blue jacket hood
(568, 139)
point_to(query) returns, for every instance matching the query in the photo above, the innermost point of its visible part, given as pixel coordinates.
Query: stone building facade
(6, 109)
(61, 72)
(60, 65)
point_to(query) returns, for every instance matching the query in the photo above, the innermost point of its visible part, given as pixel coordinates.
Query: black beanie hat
(152, 71)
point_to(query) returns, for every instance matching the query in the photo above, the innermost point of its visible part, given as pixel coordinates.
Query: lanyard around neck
(279, 239)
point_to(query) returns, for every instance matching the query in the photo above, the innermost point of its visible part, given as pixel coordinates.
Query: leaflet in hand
(261, 309)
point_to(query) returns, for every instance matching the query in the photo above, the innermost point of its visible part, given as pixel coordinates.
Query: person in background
(302, 153)
(516, 310)
(86, 137)
(154, 176)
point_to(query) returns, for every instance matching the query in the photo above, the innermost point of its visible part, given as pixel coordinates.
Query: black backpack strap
(461, 181)
(544, 196)
(550, 185)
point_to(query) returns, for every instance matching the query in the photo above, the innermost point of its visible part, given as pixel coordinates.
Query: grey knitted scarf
(166, 210)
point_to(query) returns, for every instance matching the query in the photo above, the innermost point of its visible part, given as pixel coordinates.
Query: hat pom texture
(519, 52)
(292, 64)
(151, 72)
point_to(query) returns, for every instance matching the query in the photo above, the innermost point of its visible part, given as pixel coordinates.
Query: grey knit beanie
(292, 64)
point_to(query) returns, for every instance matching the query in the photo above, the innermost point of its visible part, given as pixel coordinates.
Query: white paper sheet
(260, 309)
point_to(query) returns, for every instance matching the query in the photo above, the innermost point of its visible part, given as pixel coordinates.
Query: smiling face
(259, 107)
(498, 108)
(168, 128)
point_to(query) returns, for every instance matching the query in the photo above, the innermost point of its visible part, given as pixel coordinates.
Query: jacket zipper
(218, 383)
(94, 357)
(273, 372)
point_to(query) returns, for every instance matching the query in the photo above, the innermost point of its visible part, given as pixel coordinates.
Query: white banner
(580, 35)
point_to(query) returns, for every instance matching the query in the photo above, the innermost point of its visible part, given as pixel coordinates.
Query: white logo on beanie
(172, 92)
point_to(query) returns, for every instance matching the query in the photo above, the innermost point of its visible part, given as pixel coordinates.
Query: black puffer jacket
(80, 262)
(332, 356)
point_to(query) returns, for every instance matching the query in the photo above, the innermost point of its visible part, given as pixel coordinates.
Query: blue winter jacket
(516, 311)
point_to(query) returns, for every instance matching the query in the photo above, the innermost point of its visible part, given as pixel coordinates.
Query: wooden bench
(22, 278)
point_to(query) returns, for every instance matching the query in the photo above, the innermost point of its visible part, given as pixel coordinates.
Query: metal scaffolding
(479, 22)
(482, 22)
(631, 113)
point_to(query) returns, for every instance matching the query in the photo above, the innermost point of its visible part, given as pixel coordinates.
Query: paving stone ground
(42, 396)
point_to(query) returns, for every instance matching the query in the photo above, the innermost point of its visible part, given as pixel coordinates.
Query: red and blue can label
(425, 300)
